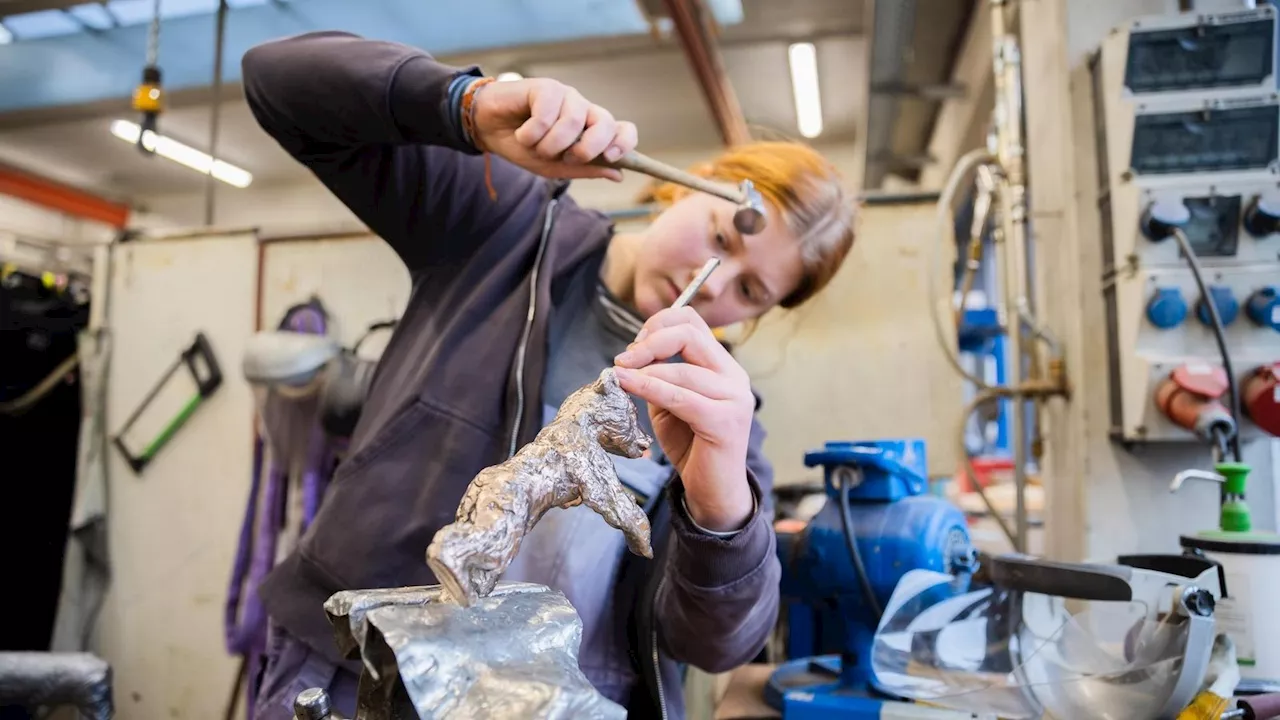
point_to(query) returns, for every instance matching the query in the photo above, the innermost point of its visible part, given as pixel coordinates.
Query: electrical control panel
(1228, 53)
(1187, 114)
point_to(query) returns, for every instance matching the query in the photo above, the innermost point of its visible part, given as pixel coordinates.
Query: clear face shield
(1016, 653)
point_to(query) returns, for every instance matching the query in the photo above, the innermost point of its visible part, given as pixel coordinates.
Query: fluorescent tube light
(804, 85)
(182, 154)
(508, 76)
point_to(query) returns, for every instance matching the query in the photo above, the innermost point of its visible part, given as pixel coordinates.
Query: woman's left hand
(701, 411)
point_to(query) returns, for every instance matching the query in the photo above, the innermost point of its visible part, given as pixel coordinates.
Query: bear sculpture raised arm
(566, 464)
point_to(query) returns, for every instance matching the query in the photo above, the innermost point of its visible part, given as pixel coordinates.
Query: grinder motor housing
(897, 527)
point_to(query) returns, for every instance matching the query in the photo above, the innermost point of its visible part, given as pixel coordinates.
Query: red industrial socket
(1190, 398)
(1260, 398)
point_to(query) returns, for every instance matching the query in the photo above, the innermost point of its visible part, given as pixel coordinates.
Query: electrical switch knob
(1167, 309)
(1228, 306)
(1262, 218)
(1264, 307)
(1162, 217)
(1260, 397)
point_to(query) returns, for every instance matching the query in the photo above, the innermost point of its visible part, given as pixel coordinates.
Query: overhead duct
(893, 26)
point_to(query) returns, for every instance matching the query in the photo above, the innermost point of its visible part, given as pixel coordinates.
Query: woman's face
(755, 272)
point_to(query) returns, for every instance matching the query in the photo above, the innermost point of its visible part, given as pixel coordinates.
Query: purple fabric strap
(244, 617)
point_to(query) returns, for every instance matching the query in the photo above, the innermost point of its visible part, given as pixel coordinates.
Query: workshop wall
(174, 526)
(30, 220)
(861, 360)
(1103, 499)
(359, 279)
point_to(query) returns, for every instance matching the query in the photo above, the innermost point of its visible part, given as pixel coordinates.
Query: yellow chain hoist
(148, 97)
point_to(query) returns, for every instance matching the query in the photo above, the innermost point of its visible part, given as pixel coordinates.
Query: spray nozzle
(1186, 475)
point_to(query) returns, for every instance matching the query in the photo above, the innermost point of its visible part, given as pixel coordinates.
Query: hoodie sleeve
(377, 123)
(718, 601)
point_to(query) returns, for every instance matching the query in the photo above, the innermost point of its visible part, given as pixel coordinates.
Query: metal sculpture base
(512, 654)
(53, 679)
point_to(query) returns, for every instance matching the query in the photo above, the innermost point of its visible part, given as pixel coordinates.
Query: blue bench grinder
(878, 523)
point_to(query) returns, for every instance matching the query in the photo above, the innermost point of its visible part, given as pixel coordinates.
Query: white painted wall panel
(173, 530)
(359, 279)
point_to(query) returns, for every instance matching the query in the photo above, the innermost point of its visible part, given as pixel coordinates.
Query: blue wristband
(457, 88)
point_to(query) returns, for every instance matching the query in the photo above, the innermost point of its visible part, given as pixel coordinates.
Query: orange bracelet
(469, 125)
(469, 109)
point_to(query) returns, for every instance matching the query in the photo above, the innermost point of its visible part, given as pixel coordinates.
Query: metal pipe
(62, 198)
(973, 251)
(1011, 193)
(946, 229)
(982, 398)
(1041, 332)
(215, 111)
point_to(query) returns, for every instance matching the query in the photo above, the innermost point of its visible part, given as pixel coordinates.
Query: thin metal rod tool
(696, 284)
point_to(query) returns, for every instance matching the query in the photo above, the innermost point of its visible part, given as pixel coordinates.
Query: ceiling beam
(690, 18)
(62, 198)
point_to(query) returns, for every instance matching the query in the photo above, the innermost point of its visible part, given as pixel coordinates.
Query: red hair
(805, 188)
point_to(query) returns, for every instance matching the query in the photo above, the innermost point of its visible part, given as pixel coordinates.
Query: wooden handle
(638, 162)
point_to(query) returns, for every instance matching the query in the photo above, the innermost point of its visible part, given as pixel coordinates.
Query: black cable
(846, 522)
(233, 702)
(1220, 451)
(1221, 444)
(1219, 335)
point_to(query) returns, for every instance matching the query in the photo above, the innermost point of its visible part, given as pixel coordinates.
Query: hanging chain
(153, 37)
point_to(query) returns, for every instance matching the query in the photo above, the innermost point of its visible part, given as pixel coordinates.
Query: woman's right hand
(549, 128)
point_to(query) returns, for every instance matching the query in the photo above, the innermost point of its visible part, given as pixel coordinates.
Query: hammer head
(750, 217)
